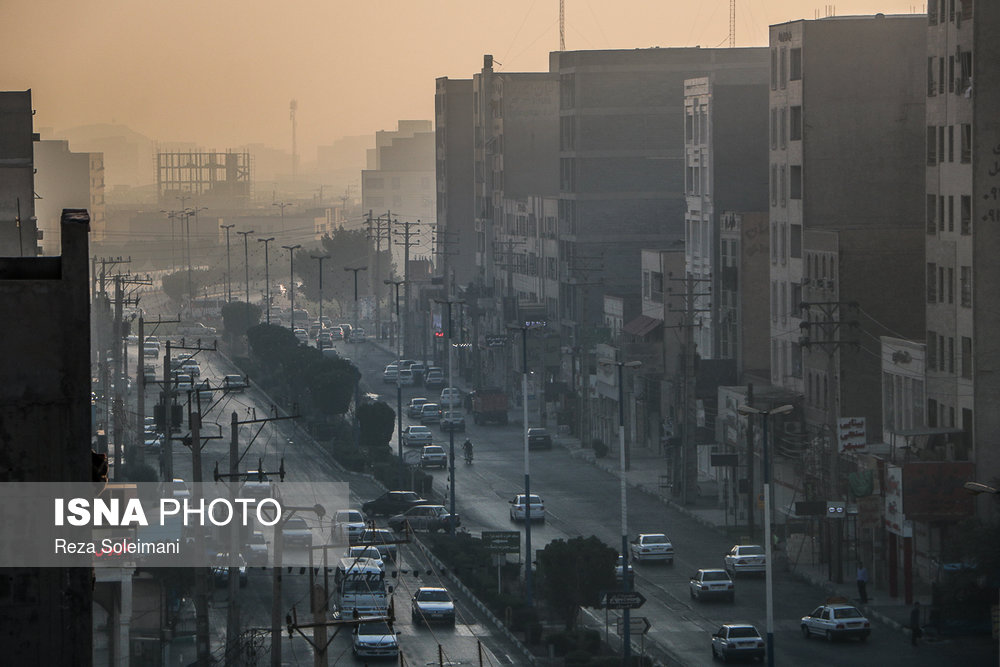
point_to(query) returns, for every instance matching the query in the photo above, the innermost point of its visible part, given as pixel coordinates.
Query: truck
(489, 404)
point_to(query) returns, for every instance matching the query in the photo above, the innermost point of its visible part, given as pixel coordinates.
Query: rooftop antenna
(293, 107)
(562, 25)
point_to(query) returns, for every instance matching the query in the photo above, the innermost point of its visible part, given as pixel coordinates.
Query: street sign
(637, 625)
(502, 541)
(495, 341)
(622, 600)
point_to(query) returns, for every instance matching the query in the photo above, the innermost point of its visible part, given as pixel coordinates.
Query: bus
(361, 588)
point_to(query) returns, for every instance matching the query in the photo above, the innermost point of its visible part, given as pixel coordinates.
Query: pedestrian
(915, 623)
(862, 583)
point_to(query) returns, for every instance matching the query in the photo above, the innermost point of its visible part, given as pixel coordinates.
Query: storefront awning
(642, 325)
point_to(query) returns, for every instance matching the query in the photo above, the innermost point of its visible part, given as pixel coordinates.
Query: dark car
(425, 517)
(539, 438)
(382, 539)
(391, 503)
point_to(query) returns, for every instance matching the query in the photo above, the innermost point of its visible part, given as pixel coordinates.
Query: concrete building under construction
(213, 179)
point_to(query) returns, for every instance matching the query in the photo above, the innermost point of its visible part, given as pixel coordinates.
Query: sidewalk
(645, 475)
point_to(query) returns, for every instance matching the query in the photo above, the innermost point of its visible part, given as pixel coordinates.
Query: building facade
(66, 179)
(18, 225)
(453, 153)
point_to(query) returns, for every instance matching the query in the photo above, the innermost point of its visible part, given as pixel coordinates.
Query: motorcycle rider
(467, 447)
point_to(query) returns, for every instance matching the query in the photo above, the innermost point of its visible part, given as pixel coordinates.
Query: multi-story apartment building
(456, 243)
(742, 296)
(844, 165)
(962, 204)
(66, 179)
(621, 163)
(725, 169)
(18, 226)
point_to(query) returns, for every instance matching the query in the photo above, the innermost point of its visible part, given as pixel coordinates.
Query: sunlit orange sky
(222, 73)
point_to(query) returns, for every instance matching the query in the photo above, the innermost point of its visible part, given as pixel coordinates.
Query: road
(582, 500)
(472, 639)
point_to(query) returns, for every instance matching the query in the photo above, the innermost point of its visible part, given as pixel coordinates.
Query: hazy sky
(223, 72)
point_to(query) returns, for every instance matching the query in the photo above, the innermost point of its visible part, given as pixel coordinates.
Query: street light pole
(355, 269)
(291, 286)
(267, 275)
(229, 266)
(451, 408)
(246, 267)
(399, 387)
(281, 205)
(768, 566)
(320, 258)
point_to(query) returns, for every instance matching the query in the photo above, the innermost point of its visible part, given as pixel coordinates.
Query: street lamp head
(781, 410)
(355, 268)
(267, 240)
(291, 247)
(976, 488)
(633, 364)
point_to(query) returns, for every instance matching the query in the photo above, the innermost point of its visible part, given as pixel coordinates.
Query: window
(932, 410)
(951, 143)
(965, 67)
(931, 146)
(795, 185)
(796, 352)
(941, 283)
(951, 11)
(932, 13)
(567, 132)
(774, 185)
(940, 146)
(796, 241)
(931, 282)
(966, 221)
(774, 129)
(783, 68)
(795, 66)
(774, 242)
(951, 284)
(931, 350)
(931, 86)
(966, 357)
(774, 301)
(566, 175)
(941, 213)
(951, 354)
(782, 182)
(796, 300)
(784, 301)
(931, 214)
(941, 79)
(783, 127)
(966, 147)
(951, 73)
(783, 239)
(940, 353)
(951, 213)
(774, 69)
(965, 285)
(795, 123)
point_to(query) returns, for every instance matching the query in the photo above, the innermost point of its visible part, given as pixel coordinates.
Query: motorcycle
(468, 457)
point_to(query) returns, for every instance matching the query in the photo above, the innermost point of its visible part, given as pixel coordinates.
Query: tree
(574, 573)
(345, 248)
(238, 316)
(378, 421)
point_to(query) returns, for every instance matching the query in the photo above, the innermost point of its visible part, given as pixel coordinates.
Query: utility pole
(399, 387)
(451, 407)
(233, 611)
(356, 269)
(291, 282)
(229, 266)
(689, 470)
(267, 275)
(750, 471)
(824, 332)
(408, 231)
(377, 232)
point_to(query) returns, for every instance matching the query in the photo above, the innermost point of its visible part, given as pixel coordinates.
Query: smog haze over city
(222, 74)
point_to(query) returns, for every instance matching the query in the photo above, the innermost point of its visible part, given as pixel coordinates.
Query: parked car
(745, 558)
(392, 502)
(539, 438)
(836, 620)
(433, 456)
(518, 511)
(431, 604)
(383, 540)
(434, 378)
(430, 413)
(737, 640)
(417, 434)
(452, 420)
(256, 549)
(348, 525)
(652, 546)
(451, 397)
(705, 584)
(374, 639)
(234, 383)
(413, 407)
(425, 517)
(296, 533)
(220, 571)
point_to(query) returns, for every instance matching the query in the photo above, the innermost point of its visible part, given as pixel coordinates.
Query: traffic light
(439, 334)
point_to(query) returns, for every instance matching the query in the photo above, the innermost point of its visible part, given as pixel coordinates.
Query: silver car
(705, 584)
(745, 558)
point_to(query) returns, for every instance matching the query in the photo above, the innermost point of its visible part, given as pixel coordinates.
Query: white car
(430, 604)
(374, 639)
(348, 525)
(518, 510)
(745, 558)
(234, 383)
(734, 640)
(706, 584)
(390, 373)
(451, 397)
(836, 620)
(652, 546)
(433, 456)
(368, 553)
(413, 407)
(417, 435)
(192, 368)
(256, 486)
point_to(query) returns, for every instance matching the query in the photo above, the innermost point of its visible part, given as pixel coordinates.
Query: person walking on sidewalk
(862, 583)
(915, 631)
